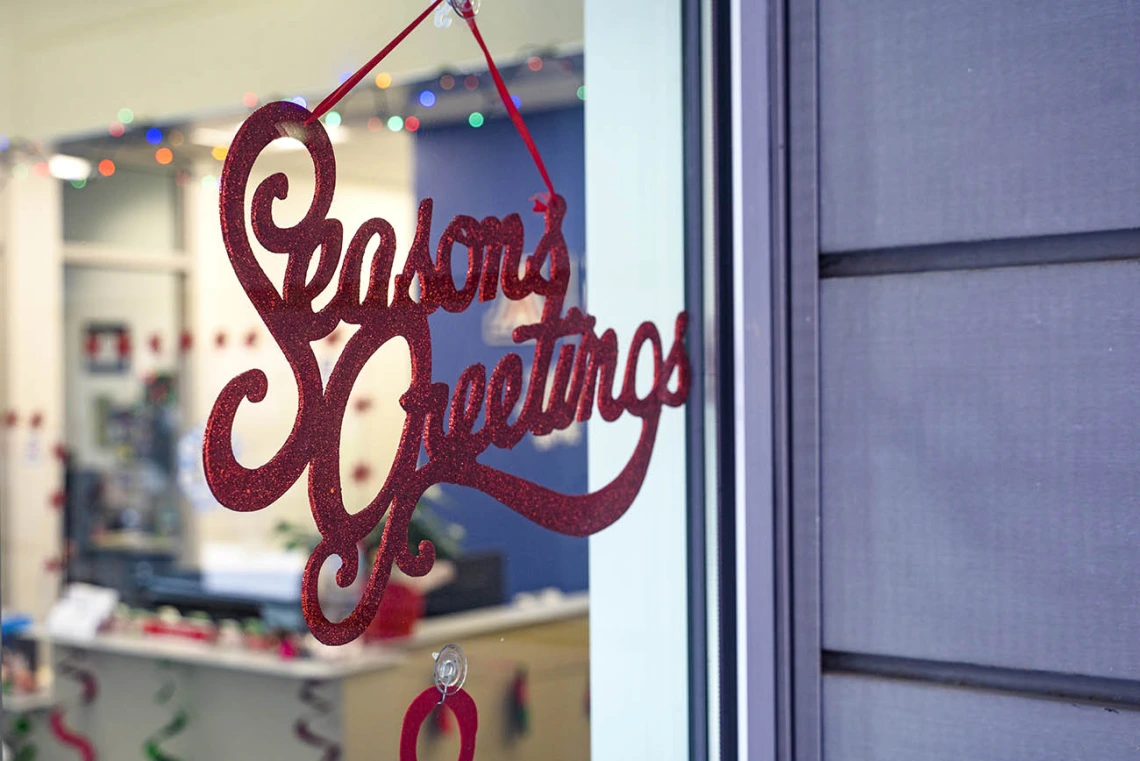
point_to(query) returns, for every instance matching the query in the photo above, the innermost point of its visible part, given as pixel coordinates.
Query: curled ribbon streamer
(152, 748)
(22, 748)
(25, 753)
(320, 707)
(72, 739)
(86, 679)
(90, 691)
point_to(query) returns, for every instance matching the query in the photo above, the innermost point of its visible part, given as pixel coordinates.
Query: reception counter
(244, 705)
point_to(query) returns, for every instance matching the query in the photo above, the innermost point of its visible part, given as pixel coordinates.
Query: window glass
(168, 620)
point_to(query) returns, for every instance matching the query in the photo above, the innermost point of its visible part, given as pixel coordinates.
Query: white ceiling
(68, 66)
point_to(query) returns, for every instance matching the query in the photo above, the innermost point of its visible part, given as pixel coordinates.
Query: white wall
(7, 76)
(5, 531)
(32, 326)
(135, 209)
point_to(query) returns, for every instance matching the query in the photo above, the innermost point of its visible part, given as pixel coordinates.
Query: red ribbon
(71, 739)
(362, 72)
(516, 117)
(500, 86)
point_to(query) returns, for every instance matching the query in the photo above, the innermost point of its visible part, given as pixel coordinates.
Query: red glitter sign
(585, 371)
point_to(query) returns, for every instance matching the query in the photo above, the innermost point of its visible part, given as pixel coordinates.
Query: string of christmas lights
(27, 158)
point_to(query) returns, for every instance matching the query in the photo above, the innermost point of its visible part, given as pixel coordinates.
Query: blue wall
(488, 171)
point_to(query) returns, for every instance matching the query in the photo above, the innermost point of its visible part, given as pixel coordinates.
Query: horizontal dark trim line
(1099, 691)
(1109, 245)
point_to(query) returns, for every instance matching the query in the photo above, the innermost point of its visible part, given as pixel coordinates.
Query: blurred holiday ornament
(70, 669)
(519, 700)
(153, 746)
(319, 708)
(20, 737)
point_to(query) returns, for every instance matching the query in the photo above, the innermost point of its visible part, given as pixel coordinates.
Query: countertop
(429, 633)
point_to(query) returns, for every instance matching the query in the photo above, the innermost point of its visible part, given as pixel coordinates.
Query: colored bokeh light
(126, 116)
(375, 124)
(383, 80)
(116, 129)
(534, 63)
(411, 124)
(395, 123)
(332, 119)
(344, 75)
(447, 81)
(249, 100)
(475, 119)
(175, 138)
(19, 171)
(80, 183)
(471, 82)
(106, 167)
(427, 98)
(182, 179)
(164, 156)
(582, 92)
(300, 101)
(4, 142)
(209, 181)
(42, 169)
(219, 152)
(154, 136)
(517, 101)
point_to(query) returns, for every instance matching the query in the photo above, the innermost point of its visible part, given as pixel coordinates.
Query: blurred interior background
(123, 320)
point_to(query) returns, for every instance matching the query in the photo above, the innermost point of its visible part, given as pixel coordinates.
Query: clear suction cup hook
(450, 670)
(442, 18)
(465, 9)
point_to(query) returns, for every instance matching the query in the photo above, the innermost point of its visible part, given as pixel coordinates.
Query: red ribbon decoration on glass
(585, 373)
(466, 716)
(80, 743)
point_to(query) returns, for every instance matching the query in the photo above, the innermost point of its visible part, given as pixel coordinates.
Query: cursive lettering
(453, 427)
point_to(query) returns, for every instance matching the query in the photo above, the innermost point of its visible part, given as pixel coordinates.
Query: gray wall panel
(981, 467)
(878, 720)
(957, 120)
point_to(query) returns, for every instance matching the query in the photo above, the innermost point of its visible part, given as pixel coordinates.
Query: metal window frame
(775, 461)
(752, 282)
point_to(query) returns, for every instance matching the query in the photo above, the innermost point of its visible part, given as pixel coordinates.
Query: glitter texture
(584, 369)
